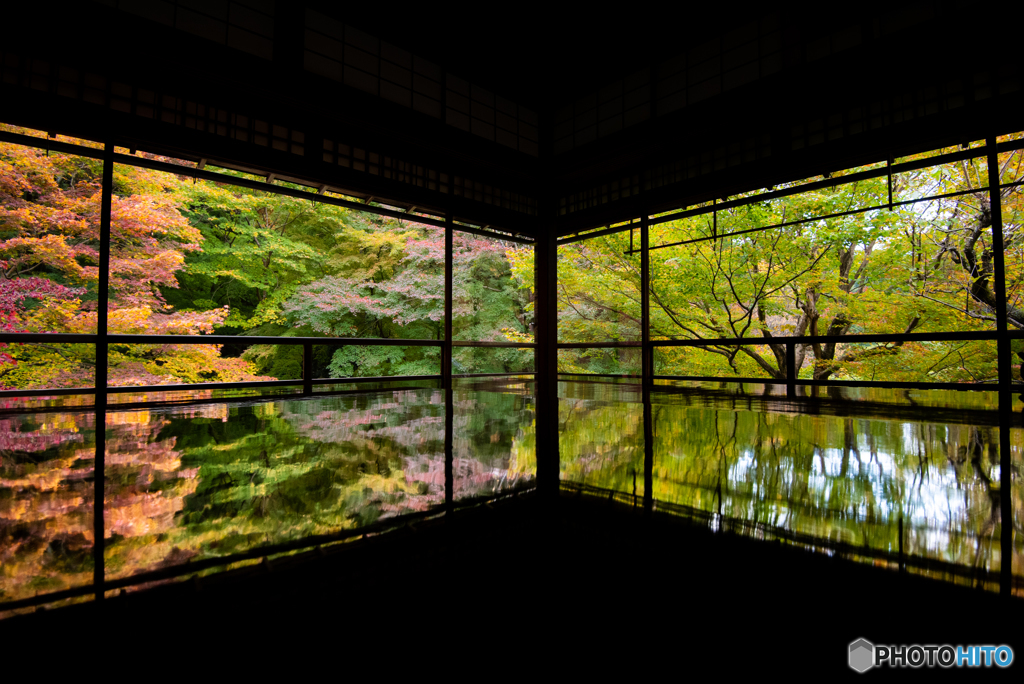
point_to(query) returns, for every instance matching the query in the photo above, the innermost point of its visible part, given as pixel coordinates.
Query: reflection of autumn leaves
(46, 528)
(51, 500)
(490, 441)
(57, 429)
(472, 477)
(426, 468)
(305, 468)
(218, 411)
(135, 460)
(385, 432)
(410, 428)
(601, 442)
(45, 503)
(837, 478)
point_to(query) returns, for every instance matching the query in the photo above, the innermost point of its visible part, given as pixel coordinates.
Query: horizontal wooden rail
(254, 384)
(511, 345)
(959, 386)
(117, 338)
(825, 339)
(598, 345)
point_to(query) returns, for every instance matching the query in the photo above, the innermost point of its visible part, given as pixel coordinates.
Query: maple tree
(192, 257)
(394, 288)
(49, 274)
(925, 266)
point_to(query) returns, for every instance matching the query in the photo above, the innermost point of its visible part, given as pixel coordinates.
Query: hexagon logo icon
(862, 655)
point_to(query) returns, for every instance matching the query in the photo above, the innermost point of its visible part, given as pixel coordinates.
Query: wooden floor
(596, 587)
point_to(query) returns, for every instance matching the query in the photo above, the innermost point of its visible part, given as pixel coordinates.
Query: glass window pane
(839, 399)
(49, 240)
(954, 176)
(351, 361)
(268, 361)
(469, 360)
(153, 394)
(1011, 167)
(920, 268)
(964, 361)
(942, 250)
(1011, 162)
(379, 278)
(604, 361)
(957, 361)
(198, 257)
(374, 385)
(492, 290)
(177, 364)
(599, 290)
(33, 366)
(746, 361)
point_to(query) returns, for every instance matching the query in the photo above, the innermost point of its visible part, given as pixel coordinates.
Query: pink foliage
(13, 292)
(414, 293)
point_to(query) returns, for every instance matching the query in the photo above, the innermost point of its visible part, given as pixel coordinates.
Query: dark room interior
(689, 335)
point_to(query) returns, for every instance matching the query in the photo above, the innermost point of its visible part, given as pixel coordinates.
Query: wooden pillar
(646, 362)
(1004, 359)
(100, 380)
(446, 369)
(546, 309)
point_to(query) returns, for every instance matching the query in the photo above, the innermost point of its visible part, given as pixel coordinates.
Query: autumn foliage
(838, 262)
(190, 258)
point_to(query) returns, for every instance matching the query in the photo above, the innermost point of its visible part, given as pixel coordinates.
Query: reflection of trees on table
(841, 479)
(46, 494)
(601, 443)
(493, 445)
(212, 480)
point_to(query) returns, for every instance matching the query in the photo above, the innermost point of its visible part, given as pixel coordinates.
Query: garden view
(839, 263)
(192, 257)
(207, 480)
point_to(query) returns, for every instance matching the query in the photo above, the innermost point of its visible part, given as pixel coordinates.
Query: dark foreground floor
(581, 587)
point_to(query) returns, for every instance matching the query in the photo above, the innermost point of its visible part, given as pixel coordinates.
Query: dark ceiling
(918, 74)
(543, 54)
